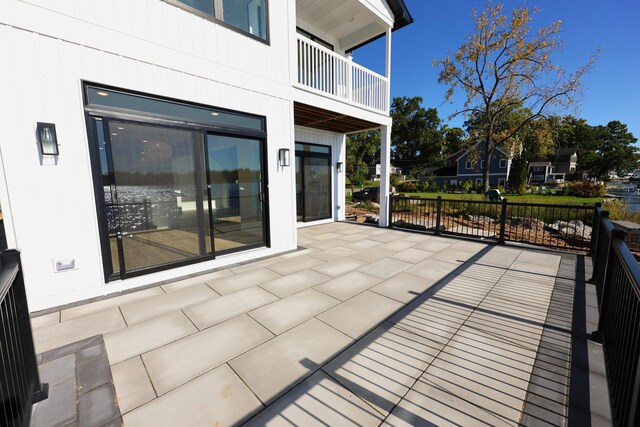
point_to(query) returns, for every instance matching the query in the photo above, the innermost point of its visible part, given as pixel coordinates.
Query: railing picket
(19, 383)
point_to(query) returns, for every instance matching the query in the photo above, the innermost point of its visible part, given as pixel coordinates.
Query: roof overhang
(401, 17)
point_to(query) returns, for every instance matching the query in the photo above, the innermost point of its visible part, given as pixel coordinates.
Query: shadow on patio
(364, 326)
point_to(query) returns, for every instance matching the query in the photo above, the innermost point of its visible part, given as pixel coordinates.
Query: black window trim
(266, 40)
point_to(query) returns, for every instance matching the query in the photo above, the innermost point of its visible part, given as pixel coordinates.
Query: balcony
(364, 325)
(327, 73)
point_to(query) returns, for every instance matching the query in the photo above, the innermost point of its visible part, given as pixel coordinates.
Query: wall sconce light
(340, 166)
(284, 157)
(47, 139)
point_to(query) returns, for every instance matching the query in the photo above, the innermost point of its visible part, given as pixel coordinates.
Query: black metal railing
(555, 226)
(616, 275)
(20, 384)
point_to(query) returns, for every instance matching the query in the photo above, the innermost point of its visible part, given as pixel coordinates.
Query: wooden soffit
(318, 118)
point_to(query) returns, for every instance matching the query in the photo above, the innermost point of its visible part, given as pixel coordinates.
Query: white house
(150, 140)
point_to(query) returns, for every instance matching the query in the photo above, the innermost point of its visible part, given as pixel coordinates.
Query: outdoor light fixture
(340, 166)
(284, 158)
(47, 139)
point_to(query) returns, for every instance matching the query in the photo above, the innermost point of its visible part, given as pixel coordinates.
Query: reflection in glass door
(154, 203)
(236, 192)
(313, 182)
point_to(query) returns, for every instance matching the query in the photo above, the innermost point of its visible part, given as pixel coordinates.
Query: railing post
(36, 391)
(600, 262)
(349, 79)
(616, 234)
(595, 228)
(438, 212)
(503, 221)
(389, 224)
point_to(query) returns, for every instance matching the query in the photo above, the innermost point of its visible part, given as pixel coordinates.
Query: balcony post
(385, 177)
(387, 74)
(350, 78)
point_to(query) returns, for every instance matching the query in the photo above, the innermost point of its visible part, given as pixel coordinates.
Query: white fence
(324, 71)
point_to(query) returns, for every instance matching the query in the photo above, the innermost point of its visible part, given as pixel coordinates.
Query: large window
(172, 191)
(249, 16)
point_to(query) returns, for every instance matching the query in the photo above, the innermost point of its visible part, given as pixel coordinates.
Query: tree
(416, 136)
(616, 151)
(454, 140)
(571, 131)
(601, 149)
(504, 64)
(363, 149)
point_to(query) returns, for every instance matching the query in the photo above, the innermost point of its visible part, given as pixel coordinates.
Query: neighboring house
(192, 134)
(376, 171)
(468, 164)
(565, 160)
(544, 173)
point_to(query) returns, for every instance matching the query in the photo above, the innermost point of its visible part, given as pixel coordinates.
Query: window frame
(92, 113)
(501, 182)
(503, 163)
(266, 40)
(478, 181)
(468, 164)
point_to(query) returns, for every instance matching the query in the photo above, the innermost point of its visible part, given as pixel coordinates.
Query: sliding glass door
(237, 198)
(169, 192)
(154, 202)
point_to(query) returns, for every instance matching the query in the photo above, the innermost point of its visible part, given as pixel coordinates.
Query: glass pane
(235, 175)
(310, 148)
(247, 15)
(160, 207)
(205, 6)
(170, 110)
(317, 188)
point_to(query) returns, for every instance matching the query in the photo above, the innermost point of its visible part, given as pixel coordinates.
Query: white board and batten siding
(49, 48)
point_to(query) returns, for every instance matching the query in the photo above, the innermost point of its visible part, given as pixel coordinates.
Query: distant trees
(601, 149)
(417, 136)
(503, 66)
(363, 150)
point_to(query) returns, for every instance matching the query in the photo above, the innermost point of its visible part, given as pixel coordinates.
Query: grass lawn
(527, 198)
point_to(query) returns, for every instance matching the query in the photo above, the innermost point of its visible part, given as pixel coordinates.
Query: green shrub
(619, 210)
(586, 189)
(466, 186)
(425, 186)
(367, 205)
(407, 187)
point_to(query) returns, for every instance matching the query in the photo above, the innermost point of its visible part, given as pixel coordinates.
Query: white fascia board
(381, 9)
(328, 103)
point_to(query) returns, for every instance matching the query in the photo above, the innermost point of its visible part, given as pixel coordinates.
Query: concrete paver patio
(364, 326)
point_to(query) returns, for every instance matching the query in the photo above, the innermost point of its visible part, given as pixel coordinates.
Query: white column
(340, 188)
(388, 67)
(385, 177)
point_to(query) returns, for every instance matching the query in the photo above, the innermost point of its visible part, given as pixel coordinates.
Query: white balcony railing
(328, 73)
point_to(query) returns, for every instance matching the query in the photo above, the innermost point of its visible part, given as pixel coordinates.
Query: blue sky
(612, 89)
